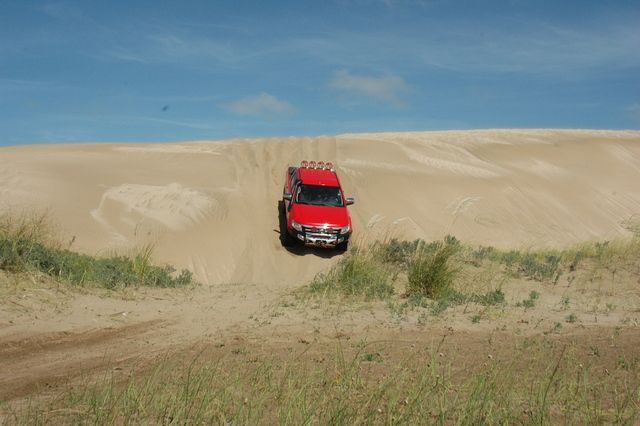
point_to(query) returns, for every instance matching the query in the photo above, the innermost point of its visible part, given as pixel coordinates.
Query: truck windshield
(317, 195)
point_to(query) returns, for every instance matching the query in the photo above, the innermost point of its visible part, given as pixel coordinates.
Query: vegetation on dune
(431, 272)
(542, 265)
(523, 381)
(27, 245)
(357, 274)
(439, 274)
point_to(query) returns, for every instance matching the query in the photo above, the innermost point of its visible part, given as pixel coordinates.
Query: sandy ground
(212, 207)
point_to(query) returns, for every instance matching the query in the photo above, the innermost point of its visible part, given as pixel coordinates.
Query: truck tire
(343, 246)
(287, 240)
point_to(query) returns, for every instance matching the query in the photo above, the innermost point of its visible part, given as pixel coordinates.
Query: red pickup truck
(315, 207)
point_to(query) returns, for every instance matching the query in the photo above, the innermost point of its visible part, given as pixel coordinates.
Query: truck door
(291, 186)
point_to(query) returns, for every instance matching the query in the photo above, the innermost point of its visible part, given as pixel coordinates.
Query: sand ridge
(212, 206)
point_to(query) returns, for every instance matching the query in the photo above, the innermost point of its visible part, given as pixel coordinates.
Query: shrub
(539, 267)
(17, 238)
(25, 246)
(397, 251)
(431, 273)
(510, 258)
(359, 273)
(114, 271)
(481, 253)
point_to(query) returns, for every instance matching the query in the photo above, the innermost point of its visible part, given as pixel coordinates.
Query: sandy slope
(212, 206)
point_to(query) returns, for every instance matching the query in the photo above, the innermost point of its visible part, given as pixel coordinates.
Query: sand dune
(212, 206)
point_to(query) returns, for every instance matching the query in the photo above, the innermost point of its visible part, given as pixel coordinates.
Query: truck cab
(315, 206)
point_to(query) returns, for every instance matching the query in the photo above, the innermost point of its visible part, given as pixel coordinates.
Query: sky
(92, 70)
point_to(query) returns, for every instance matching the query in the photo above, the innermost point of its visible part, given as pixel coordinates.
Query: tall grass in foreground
(540, 383)
(27, 244)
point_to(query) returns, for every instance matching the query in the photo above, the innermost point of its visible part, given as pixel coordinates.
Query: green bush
(431, 273)
(78, 269)
(539, 267)
(481, 253)
(26, 245)
(114, 271)
(431, 268)
(398, 252)
(359, 273)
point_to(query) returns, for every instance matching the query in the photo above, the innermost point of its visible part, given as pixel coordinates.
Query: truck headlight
(345, 229)
(296, 226)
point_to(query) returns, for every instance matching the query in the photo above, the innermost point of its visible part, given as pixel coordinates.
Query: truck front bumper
(319, 238)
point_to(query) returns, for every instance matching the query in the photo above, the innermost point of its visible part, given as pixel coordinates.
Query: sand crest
(212, 206)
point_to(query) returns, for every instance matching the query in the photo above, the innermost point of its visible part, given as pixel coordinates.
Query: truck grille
(320, 230)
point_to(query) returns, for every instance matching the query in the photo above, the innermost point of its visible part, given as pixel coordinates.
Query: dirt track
(36, 364)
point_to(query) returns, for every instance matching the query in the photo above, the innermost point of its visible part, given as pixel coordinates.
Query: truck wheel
(343, 246)
(287, 240)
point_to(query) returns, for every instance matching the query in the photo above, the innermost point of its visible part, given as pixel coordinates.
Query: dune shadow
(296, 247)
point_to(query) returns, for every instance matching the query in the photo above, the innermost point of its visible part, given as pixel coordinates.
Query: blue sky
(176, 70)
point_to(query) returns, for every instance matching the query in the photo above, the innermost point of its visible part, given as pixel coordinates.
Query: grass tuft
(27, 245)
(431, 273)
(359, 273)
(445, 272)
(530, 302)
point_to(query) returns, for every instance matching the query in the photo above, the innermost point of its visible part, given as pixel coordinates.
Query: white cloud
(386, 3)
(536, 48)
(182, 49)
(62, 11)
(126, 55)
(387, 88)
(528, 47)
(191, 124)
(505, 46)
(263, 104)
(397, 3)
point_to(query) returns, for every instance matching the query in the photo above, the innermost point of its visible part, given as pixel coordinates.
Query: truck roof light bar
(319, 165)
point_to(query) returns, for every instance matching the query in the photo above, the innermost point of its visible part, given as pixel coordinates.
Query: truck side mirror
(350, 200)
(287, 196)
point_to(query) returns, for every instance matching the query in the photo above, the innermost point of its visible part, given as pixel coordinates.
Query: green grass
(372, 270)
(27, 244)
(427, 271)
(537, 265)
(539, 384)
(440, 274)
(547, 265)
(359, 273)
(431, 272)
(530, 302)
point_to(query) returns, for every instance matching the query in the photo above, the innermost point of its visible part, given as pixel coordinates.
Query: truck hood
(320, 215)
